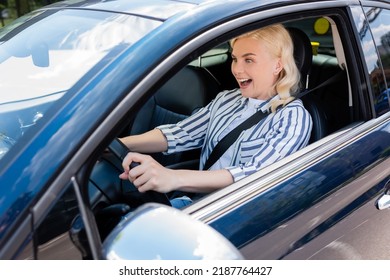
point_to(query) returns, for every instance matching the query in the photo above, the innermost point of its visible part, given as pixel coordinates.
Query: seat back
(303, 54)
(303, 58)
(189, 90)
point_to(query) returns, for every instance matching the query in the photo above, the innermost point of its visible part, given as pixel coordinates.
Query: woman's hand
(148, 175)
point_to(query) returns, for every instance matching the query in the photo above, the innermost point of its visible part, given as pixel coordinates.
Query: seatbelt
(232, 136)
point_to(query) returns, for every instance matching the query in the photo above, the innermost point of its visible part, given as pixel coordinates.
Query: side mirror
(159, 232)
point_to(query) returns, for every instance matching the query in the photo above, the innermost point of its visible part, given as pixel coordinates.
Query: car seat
(303, 58)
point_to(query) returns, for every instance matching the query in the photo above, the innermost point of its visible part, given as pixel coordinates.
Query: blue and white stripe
(273, 138)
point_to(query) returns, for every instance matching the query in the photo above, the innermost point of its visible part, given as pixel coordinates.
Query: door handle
(384, 201)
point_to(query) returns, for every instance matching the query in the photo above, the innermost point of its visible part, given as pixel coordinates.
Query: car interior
(323, 76)
(329, 102)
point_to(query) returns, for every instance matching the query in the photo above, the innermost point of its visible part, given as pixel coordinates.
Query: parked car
(75, 76)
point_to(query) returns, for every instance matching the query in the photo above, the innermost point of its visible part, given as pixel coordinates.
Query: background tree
(22, 7)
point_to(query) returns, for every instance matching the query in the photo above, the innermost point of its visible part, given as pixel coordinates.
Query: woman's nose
(237, 68)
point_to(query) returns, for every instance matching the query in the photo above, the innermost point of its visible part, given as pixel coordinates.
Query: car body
(76, 75)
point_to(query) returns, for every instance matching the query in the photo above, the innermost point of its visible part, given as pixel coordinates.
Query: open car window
(330, 105)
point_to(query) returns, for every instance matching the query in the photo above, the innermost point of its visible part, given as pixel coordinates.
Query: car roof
(156, 9)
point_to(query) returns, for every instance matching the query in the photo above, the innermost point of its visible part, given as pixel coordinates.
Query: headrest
(302, 51)
(185, 92)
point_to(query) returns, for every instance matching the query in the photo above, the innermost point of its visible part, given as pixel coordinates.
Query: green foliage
(17, 8)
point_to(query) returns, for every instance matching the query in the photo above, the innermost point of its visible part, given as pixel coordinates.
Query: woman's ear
(278, 67)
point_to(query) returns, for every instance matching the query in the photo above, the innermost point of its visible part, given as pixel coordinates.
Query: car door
(321, 203)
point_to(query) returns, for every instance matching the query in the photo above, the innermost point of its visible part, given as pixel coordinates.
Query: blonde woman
(268, 78)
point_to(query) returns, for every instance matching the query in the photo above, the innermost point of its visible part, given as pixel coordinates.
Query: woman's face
(254, 68)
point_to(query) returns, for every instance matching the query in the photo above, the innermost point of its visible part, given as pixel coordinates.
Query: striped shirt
(273, 138)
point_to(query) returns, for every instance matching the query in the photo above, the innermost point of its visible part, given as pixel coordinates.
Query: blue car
(77, 75)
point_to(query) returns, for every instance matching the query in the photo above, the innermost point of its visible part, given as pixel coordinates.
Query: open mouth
(244, 82)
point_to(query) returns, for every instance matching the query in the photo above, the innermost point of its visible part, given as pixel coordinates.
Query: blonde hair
(278, 42)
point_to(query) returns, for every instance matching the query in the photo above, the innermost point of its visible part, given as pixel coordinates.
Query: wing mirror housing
(159, 232)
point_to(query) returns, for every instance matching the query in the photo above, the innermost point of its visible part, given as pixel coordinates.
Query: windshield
(43, 54)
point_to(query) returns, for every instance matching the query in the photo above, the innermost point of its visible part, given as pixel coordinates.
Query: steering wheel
(118, 149)
(109, 216)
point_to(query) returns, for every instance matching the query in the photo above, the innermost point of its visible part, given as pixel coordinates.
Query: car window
(38, 70)
(212, 70)
(59, 234)
(379, 21)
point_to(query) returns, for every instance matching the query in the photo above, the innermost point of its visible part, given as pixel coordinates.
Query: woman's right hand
(148, 174)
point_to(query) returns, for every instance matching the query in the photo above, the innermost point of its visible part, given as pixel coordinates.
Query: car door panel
(362, 234)
(286, 213)
(345, 225)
